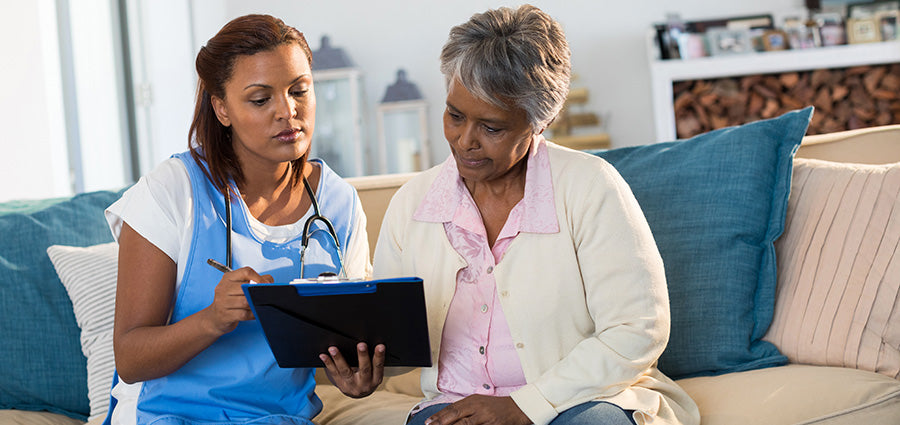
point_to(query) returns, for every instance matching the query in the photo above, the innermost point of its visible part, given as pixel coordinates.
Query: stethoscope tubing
(304, 241)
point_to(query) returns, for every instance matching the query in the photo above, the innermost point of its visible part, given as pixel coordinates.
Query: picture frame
(802, 37)
(733, 23)
(723, 41)
(863, 30)
(871, 8)
(831, 29)
(750, 22)
(888, 25)
(773, 40)
(692, 46)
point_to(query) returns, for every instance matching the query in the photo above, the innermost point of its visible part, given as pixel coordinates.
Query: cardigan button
(520, 345)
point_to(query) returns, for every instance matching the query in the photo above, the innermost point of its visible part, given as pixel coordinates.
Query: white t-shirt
(159, 207)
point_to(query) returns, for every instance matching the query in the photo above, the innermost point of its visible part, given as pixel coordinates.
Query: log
(790, 103)
(858, 70)
(764, 91)
(883, 94)
(756, 104)
(891, 82)
(687, 126)
(683, 100)
(772, 82)
(771, 109)
(789, 79)
(864, 114)
(872, 79)
(822, 100)
(838, 92)
(819, 77)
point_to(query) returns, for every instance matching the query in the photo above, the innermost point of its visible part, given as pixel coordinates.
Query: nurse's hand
(230, 307)
(356, 382)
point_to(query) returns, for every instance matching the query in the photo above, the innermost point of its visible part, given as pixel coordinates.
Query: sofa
(819, 337)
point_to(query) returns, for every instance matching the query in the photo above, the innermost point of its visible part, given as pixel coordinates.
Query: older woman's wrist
(533, 404)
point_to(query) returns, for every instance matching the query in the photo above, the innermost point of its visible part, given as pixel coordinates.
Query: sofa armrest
(872, 145)
(375, 193)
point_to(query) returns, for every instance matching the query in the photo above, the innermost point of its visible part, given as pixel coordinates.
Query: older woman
(546, 292)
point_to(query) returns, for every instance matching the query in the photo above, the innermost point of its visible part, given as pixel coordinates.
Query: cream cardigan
(587, 307)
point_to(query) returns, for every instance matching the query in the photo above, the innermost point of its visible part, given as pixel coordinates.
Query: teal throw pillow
(715, 204)
(43, 368)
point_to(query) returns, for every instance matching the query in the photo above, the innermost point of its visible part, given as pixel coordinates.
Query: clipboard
(301, 320)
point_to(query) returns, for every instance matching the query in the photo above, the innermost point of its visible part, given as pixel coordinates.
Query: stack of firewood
(845, 99)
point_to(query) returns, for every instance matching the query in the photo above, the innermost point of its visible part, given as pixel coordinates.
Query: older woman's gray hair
(516, 56)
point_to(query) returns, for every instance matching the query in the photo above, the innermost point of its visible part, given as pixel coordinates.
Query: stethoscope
(304, 241)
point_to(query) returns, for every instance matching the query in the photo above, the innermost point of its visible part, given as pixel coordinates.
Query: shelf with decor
(665, 73)
(573, 118)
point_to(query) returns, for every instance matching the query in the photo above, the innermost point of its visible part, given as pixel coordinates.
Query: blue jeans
(590, 413)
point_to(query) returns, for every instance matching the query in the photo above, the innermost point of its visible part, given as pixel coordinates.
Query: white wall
(607, 40)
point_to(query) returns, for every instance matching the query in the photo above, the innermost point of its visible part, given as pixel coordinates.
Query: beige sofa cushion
(382, 407)
(23, 417)
(389, 405)
(793, 394)
(796, 394)
(838, 294)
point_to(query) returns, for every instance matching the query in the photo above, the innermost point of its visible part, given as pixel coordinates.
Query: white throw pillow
(838, 301)
(89, 275)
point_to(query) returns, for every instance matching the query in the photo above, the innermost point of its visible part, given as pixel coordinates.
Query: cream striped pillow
(89, 275)
(837, 300)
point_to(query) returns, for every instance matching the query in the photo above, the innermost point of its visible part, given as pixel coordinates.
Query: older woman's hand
(480, 409)
(356, 382)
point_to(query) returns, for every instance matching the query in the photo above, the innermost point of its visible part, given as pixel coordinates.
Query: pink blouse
(477, 354)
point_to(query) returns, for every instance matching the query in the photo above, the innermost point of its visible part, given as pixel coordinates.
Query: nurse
(187, 348)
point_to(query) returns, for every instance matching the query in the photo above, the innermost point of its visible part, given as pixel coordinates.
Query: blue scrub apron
(236, 380)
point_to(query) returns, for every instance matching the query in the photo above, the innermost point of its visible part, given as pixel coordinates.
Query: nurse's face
(270, 105)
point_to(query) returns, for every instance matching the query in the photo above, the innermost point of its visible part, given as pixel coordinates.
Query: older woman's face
(486, 141)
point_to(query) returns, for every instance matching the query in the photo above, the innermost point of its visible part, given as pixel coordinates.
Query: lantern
(402, 128)
(338, 137)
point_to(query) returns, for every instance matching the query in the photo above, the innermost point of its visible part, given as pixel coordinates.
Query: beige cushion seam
(885, 398)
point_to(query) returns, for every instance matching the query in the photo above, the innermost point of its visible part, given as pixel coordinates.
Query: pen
(219, 266)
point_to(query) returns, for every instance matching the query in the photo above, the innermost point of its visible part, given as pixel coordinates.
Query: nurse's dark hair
(208, 139)
(511, 57)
